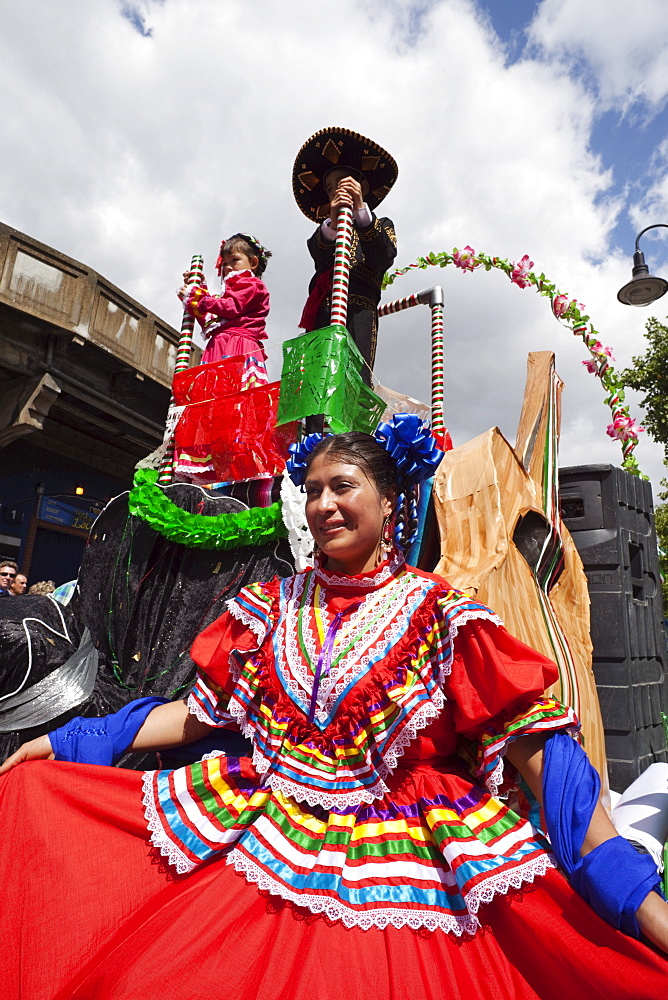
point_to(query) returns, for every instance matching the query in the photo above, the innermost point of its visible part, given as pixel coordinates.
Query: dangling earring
(385, 544)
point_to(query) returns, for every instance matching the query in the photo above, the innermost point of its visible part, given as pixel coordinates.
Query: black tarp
(144, 600)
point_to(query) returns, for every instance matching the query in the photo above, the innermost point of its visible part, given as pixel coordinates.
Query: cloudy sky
(135, 133)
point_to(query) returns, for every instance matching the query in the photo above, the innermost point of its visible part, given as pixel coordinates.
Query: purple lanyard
(325, 659)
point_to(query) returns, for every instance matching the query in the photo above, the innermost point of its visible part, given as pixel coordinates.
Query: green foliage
(649, 374)
(661, 520)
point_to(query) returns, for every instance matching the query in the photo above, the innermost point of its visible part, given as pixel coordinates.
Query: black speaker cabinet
(610, 515)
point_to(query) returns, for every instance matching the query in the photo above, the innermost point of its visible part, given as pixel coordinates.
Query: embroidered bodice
(404, 666)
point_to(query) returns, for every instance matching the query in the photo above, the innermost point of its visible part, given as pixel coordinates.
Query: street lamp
(643, 287)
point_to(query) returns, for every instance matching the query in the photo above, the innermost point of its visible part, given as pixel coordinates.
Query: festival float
(162, 560)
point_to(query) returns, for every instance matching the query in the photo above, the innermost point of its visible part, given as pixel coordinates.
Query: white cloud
(622, 43)
(132, 152)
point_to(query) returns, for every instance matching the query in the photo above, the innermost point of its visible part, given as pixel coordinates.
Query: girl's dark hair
(240, 242)
(379, 466)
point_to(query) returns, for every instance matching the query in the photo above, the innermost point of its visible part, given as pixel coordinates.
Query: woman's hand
(39, 749)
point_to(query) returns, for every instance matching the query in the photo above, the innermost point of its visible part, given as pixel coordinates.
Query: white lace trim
(238, 714)
(246, 618)
(377, 577)
(508, 878)
(196, 709)
(335, 909)
(419, 720)
(159, 838)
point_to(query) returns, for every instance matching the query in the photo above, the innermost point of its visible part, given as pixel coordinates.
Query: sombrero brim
(339, 147)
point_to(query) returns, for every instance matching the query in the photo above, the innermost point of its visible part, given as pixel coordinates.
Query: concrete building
(85, 376)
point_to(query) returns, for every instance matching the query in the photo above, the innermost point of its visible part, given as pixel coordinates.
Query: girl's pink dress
(234, 322)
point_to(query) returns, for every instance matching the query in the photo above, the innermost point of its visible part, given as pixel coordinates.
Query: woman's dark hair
(361, 450)
(380, 468)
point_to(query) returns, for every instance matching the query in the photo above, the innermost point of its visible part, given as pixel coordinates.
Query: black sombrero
(339, 147)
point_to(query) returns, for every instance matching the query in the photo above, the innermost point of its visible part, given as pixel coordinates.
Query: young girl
(234, 321)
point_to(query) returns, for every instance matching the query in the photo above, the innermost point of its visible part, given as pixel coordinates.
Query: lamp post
(643, 287)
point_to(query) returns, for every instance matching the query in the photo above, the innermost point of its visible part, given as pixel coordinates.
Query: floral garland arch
(571, 314)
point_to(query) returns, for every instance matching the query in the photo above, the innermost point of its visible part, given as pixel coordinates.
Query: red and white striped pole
(398, 305)
(182, 361)
(437, 363)
(432, 297)
(344, 238)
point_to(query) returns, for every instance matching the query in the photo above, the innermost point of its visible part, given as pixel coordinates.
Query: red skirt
(89, 911)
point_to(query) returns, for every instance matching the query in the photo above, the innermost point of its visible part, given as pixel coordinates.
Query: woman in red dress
(362, 852)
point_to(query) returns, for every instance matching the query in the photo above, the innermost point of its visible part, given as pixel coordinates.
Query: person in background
(43, 587)
(8, 571)
(19, 584)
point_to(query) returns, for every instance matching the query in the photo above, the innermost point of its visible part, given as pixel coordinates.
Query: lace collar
(363, 582)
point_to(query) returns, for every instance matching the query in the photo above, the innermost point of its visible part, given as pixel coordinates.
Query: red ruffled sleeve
(496, 693)
(493, 675)
(222, 648)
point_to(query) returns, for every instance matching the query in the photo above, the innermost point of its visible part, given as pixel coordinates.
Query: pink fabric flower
(520, 270)
(560, 305)
(598, 348)
(465, 259)
(623, 428)
(591, 366)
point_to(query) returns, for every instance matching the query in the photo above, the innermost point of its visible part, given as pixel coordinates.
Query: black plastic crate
(610, 515)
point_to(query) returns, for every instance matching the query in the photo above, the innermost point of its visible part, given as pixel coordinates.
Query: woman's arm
(169, 725)
(526, 754)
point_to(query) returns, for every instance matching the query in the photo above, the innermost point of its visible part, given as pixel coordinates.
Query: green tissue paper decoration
(257, 526)
(321, 374)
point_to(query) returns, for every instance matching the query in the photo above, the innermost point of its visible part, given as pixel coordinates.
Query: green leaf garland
(257, 526)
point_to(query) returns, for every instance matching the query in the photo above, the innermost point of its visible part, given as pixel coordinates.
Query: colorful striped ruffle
(427, 862)
(325, 815)
(547, 715)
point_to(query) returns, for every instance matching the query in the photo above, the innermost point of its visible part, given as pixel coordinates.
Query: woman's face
(345, 514)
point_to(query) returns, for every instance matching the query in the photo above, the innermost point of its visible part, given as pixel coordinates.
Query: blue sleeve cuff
(614, 879)
(102, 740)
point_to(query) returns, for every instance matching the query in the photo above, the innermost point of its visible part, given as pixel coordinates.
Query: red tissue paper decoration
(205, 382)
(238, 432)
